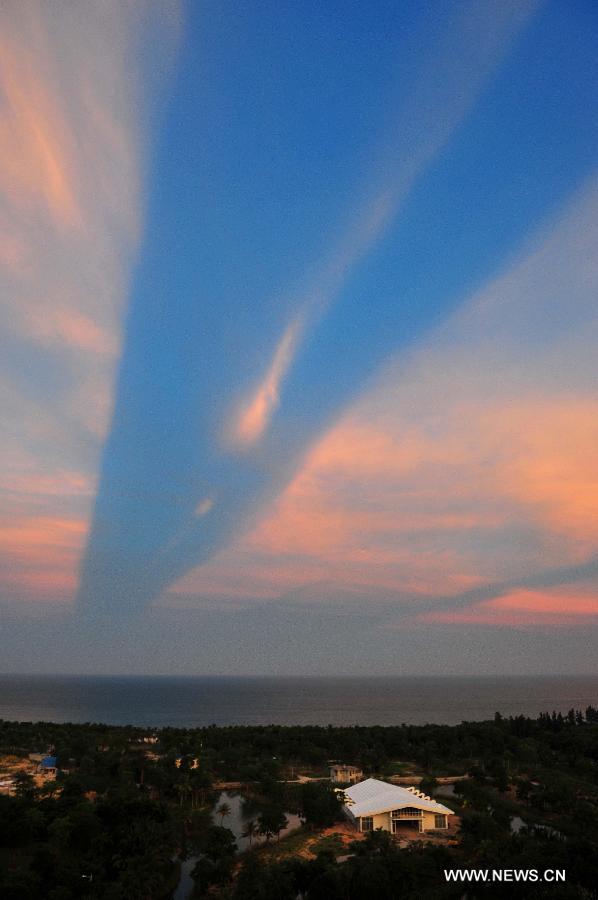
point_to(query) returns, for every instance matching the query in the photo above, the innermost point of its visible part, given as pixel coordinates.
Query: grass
(330, 843)
(290, 844)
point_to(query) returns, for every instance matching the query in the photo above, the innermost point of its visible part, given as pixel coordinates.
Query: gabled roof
(372, 796)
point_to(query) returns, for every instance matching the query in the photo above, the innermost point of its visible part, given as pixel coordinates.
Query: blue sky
(300, 304)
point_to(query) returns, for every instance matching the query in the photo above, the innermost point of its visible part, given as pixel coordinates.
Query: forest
(126, 806)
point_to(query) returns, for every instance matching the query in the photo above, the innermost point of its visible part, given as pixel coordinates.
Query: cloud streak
(460, 61)
(189, 426)
(461, 486)
(255, 416)
(73, 129)
(184, 431)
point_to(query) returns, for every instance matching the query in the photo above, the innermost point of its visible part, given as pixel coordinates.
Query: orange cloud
(41, 555)
(425, 512)
(408, 516)
(479, 469)
(36, 146)
(28, 483)
(72, 145)
(255, 416)
(471, 462)
(555, 470)
(75, 330)
(522, 608)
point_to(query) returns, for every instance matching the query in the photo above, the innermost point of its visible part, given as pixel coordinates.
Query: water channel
(241, 811)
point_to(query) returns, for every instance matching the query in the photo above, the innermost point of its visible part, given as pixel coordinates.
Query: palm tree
(183, 789)
(222, 811)
(200, 783)
(251, 830)
(272, 821)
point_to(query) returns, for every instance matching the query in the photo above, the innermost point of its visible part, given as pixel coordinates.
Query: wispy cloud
(525, 608)
(462, 485)
(255, 415)
(72, 137)
(456, 67)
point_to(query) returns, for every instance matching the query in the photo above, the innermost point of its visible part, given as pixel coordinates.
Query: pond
(444, 790)
(517, 824)
(241, 811)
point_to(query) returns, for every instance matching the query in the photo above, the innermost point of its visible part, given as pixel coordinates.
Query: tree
(320, 804)
(428, 785)
(251, 830)
(24, 787)
(272, 821)
(47, 790)
(258, 881)
(200, 784)
(222, 811)
(183, 789)
(218, 842)
(215, 864)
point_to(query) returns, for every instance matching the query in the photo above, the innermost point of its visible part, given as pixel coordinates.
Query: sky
(298, 318)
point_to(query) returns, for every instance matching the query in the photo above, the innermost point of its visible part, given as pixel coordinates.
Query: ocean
(189, 702)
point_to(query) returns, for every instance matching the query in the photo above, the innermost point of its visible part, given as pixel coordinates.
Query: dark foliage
(128, 802)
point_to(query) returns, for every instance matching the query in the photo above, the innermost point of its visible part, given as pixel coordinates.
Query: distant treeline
(238, 753)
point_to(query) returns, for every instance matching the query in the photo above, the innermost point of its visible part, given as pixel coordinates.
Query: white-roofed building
(373, 804)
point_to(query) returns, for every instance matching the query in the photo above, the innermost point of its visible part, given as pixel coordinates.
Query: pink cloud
(255, 415)
(468, 464)
(523, 608)
(73, 146)
(36, 145)
(40, 556)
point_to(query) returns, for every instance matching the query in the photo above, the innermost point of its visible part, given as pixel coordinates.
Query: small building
(191, 762)
(48, 766)
(340, 774)
(7, 785)
(144, 739)
(373, 804)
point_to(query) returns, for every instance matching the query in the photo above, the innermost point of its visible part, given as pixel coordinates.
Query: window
(407, 812)
(367, 823)
(440, 820)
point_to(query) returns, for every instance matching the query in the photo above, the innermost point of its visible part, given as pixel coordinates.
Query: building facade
(340, 774)
(374, 804)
